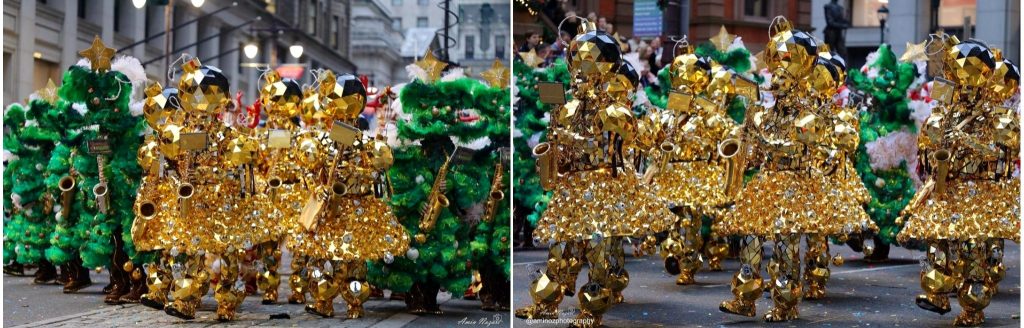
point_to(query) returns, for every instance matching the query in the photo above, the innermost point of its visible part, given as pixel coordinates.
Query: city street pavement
(28, 305)
(859, 294)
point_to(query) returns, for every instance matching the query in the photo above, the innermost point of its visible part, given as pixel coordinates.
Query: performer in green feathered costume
(28, 140)
(93, 176)
(440, 252)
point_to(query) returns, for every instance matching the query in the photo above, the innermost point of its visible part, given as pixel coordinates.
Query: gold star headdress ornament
(531, 58)
(48, 93)
(432, 66)
(497, 76)
(723, 40)
(98, 55)
(915, 52)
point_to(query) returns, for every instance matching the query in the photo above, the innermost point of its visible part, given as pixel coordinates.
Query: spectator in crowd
(654, 57)
(592, 17)
(571, 24)
(533, 41)
(559, 47)
(545, 52)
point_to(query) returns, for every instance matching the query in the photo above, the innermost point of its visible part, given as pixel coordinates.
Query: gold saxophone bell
(338, 191)
(185, 193)
(442, 200)
(728, 149)
(102, 194)
(274, 183)
(942, 158)
(547, 164)
(66, 186)
(147, 210)
(667, 149)
(497, 195)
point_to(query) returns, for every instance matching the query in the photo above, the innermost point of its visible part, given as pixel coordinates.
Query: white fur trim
(453, 74)
(81, 108)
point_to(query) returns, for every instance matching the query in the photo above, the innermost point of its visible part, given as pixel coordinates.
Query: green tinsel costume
(890, 188)
(444, 258)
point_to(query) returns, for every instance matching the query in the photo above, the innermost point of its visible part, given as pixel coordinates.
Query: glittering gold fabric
(791, 202)
(968, 209)
(586, 203)
(698, 185)
(360, 228)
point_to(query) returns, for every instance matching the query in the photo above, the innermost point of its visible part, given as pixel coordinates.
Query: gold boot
(547, 294)
(974, 293)
(187, 289)
(716, 249)
(817, 272)
(356, 291)
(747, 283)
(785, 279)
(298, 281)
(230, 290)
(324, 287)
(158, 281)
(268, 280)
(936, 280)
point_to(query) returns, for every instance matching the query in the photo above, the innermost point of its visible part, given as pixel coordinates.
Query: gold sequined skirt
(699, 185)
(776, 202)
(968, 209)
(355, 228)
(589, 203)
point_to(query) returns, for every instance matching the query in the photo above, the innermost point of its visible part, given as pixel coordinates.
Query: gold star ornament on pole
(431, 65)
(99, 55)
(497, 76)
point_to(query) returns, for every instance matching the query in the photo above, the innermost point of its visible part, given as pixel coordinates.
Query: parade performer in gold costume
(970, 148)
(347, 220)
(598, 199)
(791, 141)
(694, 147)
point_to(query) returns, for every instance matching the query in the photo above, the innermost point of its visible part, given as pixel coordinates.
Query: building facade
(42, 37)
(376, 42)
(996, 22)
(480, 36)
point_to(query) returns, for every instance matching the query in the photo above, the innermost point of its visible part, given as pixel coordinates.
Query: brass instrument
(67, 193)
(102, 194)
(496, 195)
(729, 149)
(338, 190)
(436, 199)
(547, 164)
(668, 150)
(100, 190)
(942, 158)
(274, 183)
(185, 192)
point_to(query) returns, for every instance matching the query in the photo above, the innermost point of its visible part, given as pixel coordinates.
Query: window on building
(864, 12)
(952, 13)
(396, 23)
(470, 46)
(421, 21)
(499, 46)
(334, 31)
(396, 2)
(755, 8)
(423, 2)
(311, 11)
(82, 8)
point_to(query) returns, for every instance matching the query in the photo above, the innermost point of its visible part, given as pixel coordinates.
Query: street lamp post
(883, 15)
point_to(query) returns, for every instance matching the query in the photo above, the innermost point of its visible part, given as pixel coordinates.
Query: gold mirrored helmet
(790, 53)
(1005, 78)
(281, 97)
(593, 52)
(825, 79)
(689, 72)
(206, 87)
(969, 63)
(343, 97)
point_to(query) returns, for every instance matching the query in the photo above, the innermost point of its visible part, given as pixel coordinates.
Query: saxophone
(435, 199)
(496, 194)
